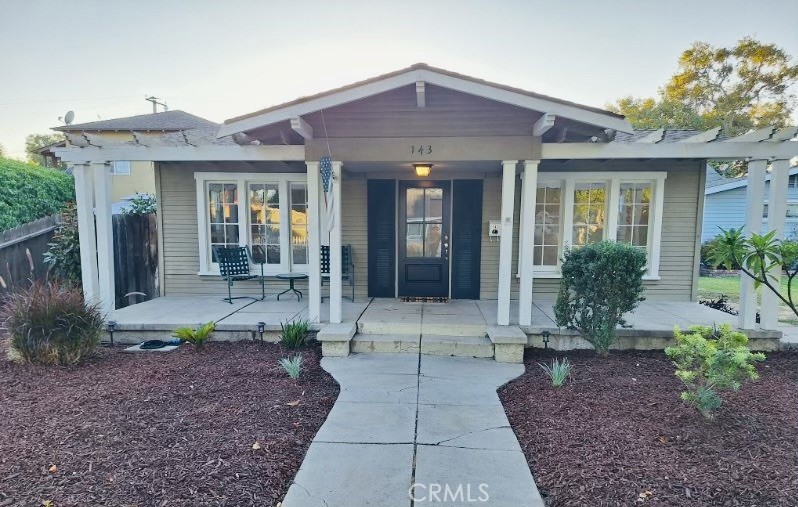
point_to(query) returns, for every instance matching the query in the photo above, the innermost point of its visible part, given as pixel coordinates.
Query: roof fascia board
(282, 153)
(712, 151)
(429, 76)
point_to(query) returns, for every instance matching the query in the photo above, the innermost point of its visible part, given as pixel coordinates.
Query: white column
(754, 207)
(777, 211)
(529, 188)
(314, 244)
(105, 234)
(84, 196)
(335, 247)
(506, 241)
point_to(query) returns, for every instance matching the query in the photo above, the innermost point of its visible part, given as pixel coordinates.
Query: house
(445, 186)
(724, 204)
(129, 177)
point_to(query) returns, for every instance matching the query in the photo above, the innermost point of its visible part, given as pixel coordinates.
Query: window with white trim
(255, 210)
(120, 167)
(576, 209)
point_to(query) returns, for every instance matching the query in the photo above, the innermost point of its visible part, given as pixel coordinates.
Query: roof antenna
(155, 104)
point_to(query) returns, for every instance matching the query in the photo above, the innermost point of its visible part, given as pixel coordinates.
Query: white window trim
(613, 180)
(283, 180)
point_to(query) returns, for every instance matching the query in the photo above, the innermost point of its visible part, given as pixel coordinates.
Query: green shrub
(196, 337)
(63, 256)
(29, 192)
(141, 204)
(558, 372)
(51, 324)
(709, 360)
(600, 283)
(707, 255)
(294, 334)
(292, 365)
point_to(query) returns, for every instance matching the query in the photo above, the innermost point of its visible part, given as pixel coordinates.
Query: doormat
(422, 299)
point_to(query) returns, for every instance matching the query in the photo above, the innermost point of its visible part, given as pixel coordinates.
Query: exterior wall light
(422, 170)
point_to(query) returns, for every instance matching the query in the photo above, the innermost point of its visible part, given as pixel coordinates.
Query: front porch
(391, 325)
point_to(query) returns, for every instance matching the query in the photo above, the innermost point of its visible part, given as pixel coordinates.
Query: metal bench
(234, 266)
(347, 266)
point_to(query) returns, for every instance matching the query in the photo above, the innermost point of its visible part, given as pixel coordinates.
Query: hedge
(29, 191)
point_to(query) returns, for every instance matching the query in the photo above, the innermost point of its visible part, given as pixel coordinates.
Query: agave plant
(292, 365)
(558, 371)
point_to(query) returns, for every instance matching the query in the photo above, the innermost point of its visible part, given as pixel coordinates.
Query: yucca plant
(294, 334)
(292, 365)
(558, 372)
(50, 323)
(196, 337)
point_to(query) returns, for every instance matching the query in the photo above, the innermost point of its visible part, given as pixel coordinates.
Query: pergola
(90, 155)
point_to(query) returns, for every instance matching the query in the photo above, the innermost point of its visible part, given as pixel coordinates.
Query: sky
(219, 59)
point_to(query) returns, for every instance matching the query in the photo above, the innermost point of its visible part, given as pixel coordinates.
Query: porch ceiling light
(422, 170)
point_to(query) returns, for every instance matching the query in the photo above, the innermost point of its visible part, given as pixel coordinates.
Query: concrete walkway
(408, 419)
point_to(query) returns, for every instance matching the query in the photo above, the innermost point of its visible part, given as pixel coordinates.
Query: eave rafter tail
(301, 127)
(544, 124)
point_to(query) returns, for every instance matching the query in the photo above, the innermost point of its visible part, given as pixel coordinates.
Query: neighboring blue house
(724, 204)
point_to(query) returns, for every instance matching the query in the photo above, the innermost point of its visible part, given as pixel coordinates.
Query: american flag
(325, 167)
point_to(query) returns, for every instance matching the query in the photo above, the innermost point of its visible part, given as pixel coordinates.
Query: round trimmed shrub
(51, 324)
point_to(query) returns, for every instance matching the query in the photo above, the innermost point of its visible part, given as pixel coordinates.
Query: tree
(35, 141)
(2, 151)
(737, 88)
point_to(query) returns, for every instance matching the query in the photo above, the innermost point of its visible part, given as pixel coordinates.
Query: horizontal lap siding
(354, 223)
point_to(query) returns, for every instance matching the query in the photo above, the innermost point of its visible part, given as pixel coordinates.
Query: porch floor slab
(370, 453)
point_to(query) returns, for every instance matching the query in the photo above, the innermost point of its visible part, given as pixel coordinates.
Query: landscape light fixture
(111, 327)
(545, 335)
(422, 170)
(261, 329)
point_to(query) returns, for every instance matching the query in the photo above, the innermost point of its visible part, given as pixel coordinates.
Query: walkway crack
(472, 433)
(415, 430)
(311, 495)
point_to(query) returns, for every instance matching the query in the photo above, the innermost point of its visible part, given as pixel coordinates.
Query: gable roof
(165, 121)
(421, 72)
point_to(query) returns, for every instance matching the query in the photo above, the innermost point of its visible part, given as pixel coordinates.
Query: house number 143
(421, 149)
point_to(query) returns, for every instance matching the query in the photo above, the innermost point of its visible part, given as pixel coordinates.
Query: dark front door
(424, 238)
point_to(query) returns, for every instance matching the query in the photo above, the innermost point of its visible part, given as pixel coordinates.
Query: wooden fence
(135, 256)
(21, 251)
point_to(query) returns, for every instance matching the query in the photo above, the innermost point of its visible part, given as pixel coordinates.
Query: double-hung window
(576, 209)
(264, 210)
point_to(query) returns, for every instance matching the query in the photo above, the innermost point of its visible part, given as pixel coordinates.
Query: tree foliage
(737, 88)
(601, 282)
(760, 257)
(35, 141)
(29, 191)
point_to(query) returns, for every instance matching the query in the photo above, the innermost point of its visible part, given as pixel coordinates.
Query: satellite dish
(69, 118)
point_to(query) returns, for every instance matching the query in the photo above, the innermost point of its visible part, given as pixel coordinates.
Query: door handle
(445, 247)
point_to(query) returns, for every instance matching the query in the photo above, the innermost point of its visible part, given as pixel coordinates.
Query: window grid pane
(299, 223)
(547, 226)
(264, 213)
(223, 215)
(424, 210)
(633, 214)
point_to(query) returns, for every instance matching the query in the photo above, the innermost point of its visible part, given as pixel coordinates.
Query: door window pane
(633, 214)
(223, 215)
(590, 211)
(299, 223)
(264, 213)
(547, 224)
(424, 222)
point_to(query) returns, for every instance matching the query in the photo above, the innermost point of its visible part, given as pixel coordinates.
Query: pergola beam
(653, 137)
(211, 153)
(686, 150)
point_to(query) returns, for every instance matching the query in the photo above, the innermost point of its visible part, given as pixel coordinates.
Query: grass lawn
(712, 287)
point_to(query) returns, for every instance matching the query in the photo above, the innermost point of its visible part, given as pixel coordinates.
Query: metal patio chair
(234, 265)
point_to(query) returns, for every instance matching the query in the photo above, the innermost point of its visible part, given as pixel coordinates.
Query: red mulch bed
(619, 430)
(159, 429)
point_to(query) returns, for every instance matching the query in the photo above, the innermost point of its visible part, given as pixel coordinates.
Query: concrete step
(365, 343)
(459, 346)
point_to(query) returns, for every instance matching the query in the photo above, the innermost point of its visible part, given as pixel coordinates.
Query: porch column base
(335, 339)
